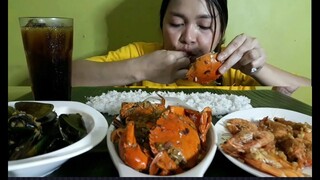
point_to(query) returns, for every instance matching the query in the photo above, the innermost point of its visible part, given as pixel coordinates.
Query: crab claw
(202, 121)
(130, 151)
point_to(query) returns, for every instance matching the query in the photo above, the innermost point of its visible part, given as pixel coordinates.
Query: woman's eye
(205, 27)
(176, 24)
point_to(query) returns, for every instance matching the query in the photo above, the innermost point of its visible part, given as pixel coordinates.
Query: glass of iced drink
(48, 44)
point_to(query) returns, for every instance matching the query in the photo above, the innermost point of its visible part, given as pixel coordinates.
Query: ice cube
(35, 23)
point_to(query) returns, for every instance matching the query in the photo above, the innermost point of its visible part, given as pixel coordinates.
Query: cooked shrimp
(308, 154)
(300, 130)
(279, 130)
(271, 163)
(295, 125)
(245, 140)
(237, 124)
(296, 151)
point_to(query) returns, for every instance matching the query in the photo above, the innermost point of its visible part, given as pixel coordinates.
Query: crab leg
(204, 123)
(130, 151)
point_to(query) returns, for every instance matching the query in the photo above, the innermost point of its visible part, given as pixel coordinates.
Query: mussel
(36, 109)
(11, 110)
(21, 128)
(72, 127)
(35, 128)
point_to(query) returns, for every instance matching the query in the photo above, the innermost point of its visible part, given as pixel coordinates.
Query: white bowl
(197, 171)
(45, 164)
(256, 114)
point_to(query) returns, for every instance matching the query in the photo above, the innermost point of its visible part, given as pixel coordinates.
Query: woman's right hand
(164, 66)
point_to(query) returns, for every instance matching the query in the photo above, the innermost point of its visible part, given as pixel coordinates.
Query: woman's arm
(244, 53)
(160, 66)
(286, 84)
(90, 73)
(273, 76)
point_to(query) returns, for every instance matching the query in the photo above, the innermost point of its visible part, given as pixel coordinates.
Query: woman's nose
(188, 36)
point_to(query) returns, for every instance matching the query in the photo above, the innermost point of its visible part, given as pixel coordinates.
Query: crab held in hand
(160, 140)
(205, 69)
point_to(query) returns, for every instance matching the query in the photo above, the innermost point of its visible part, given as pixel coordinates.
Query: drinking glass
(48, 45)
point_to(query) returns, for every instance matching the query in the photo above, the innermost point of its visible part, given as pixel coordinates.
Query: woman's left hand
(243, 53)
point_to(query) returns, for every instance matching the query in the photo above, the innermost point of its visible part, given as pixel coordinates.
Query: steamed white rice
(220, 104)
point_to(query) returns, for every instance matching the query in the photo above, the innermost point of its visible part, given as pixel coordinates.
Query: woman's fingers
(232, 47)
(181, 74)
(182, 63)
(243, 53)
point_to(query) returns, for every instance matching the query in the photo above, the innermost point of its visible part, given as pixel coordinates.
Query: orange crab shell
(205, 69)
(179, 132)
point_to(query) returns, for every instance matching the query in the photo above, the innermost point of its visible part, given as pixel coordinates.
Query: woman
(190, 28)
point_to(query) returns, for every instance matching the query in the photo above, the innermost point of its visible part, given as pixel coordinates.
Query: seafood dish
(43, 149)
(159, 140)
(205, 69)
(274, 145)
(34, 128)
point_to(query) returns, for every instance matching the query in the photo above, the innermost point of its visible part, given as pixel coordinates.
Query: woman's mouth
(192, 56)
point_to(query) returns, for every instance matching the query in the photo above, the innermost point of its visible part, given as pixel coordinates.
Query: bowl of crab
(161, 136)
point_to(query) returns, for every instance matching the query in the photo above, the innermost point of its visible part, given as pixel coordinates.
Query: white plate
(197, 171)
(255, 114)
(44, 164)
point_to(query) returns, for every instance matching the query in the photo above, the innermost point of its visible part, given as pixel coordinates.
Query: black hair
(222, 11)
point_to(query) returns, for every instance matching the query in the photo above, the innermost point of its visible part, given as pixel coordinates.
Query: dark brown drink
(48, 51)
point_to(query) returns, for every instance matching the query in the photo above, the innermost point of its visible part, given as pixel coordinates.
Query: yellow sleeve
(235, 77)
(129, 51)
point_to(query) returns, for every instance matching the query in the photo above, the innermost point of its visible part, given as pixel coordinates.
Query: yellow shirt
(232, 79)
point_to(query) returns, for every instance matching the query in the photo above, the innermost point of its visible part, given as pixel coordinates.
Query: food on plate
(159, 140)
(221, 104)
(237, 124)
(295, 140)
(276, 146)
(205, 69)
(34, 128)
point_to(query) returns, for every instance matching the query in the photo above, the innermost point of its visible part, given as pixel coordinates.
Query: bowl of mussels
(42, 135)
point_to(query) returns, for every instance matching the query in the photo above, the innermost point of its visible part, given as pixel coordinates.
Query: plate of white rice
(221, 104)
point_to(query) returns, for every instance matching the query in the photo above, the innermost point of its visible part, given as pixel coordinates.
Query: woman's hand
(287, 90)
(164, 66)
(243, 53)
